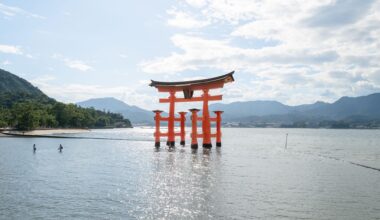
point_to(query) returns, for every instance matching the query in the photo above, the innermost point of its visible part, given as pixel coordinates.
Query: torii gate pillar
(206, 129)
(182, 126)
(171, 118)
(218, 128)
(157, 134)
(194, 130)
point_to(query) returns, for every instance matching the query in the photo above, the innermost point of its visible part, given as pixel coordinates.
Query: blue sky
(292, 51)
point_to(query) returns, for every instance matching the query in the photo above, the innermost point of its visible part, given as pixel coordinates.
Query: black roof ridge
(186, 83)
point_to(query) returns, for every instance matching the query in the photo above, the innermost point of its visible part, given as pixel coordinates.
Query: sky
(292, 51)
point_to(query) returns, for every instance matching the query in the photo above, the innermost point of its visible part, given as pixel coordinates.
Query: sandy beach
(48, 131)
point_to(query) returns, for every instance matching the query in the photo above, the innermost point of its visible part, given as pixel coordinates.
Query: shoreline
(45, 132)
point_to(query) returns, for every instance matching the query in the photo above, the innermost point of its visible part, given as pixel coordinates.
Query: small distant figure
(34, 148)
(286, 141)
(60, 148)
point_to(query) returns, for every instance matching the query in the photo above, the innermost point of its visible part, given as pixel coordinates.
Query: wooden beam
(167, 119)
(194, 99)
(211, 119)
(201, 135)
(161, 134)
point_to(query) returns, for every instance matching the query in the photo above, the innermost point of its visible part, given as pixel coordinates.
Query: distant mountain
(351, 110)
(308, 107)
(367, 106)
(104, 104)
(135, 114)
(251, 108)
(346, 108)
(241, 110)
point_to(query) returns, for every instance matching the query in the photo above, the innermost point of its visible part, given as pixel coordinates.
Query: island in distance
(347, 112)
(137, 115)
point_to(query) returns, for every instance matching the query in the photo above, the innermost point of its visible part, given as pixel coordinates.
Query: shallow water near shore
(252, 176)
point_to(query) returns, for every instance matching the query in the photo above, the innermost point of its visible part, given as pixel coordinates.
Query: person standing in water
(60, 148)
(34, 148)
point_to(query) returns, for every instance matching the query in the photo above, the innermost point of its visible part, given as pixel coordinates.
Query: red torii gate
(188, 88)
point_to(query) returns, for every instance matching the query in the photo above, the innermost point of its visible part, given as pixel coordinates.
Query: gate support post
(182, 131)
(194, 133)
(218, 128)
(157, 134)
(206, 130)
(171, 135)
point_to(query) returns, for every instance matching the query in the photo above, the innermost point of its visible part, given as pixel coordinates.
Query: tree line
(29, 114)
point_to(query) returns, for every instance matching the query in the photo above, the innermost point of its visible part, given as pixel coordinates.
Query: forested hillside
(25, 107)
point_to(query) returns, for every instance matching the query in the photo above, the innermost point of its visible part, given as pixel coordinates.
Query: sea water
(321, 174)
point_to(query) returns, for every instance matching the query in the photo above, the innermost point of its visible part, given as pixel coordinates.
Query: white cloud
(339, 13)
(74, 92)
(294, 52)
(78, 65)
(74, 64)
(11, 11)
(43, 80)
(10, 49)
(30, 56)
(6, 63)
(196, 3)
(203, 53)
(184, 20)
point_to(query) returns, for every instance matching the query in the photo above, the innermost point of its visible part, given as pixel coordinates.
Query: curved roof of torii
(201, 82)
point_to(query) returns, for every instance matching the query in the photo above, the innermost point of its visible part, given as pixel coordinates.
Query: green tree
(5, 117)
(27, 117)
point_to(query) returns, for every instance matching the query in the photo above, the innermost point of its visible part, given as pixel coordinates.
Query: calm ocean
(323, 174)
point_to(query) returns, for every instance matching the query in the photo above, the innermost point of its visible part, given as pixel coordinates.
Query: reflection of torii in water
(188, 88)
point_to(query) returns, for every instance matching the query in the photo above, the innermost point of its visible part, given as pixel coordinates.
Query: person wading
(60, 148)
